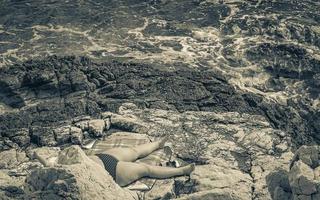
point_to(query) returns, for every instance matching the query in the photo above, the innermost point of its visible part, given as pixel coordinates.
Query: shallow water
(218, 34)
(270, 48)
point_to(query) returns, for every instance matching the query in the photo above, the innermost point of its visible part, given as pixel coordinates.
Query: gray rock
(315, 196)
(107, 122)
(309, 155)
(19, 136)
(11, 159)
(301, 179)
(129, 123)
(11, 188)
(76, 135)
(280, 194)
(70, 156)
(162, 189)
(78, 177)
(43, 136)
(96, 127)
(62, 134)
(46, 155)
(82, 122)
(52, 183)
(302, 197)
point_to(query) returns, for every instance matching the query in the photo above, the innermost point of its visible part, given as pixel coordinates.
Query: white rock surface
(96, 127)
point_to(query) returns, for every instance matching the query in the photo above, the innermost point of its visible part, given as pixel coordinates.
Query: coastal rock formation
(237, 156)
(234, 84)
(241, 142)
(304, 174)
(74, 177)
(71, 87)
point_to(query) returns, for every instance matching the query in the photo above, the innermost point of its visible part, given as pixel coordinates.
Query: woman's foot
(188, 169)
(163, 141)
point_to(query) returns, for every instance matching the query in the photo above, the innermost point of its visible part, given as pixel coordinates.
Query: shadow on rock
(278, 185)
(9, 97)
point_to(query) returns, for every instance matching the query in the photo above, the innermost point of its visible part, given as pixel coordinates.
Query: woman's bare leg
(133, 153)
(128, 172)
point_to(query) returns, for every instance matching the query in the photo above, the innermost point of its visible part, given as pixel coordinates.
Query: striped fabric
(126, 139)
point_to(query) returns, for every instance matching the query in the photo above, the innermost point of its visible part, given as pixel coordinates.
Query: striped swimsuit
(110, 164)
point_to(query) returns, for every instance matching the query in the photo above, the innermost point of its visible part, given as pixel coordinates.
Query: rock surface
(304, 173)
(234, 84)
(182, 90)
(246, 146)
(75, 177)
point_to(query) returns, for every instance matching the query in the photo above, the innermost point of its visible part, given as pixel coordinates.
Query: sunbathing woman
(119, 162)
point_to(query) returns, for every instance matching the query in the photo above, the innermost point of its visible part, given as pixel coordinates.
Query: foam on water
(121, 31)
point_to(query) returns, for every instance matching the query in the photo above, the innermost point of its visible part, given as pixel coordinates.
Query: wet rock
(279, 193)
(76, 135)
(6, 144)
(96, 127)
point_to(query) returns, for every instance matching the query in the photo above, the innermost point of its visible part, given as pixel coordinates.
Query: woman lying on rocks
(119, 162)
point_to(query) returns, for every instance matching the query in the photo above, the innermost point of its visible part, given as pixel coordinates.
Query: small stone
(127, 106)
(84, 124)
(46, 155)
(96, 127)
(76, 135)
(282, 147)
(107, 122)
(62, 134)
(105, 115)
(129, 123)
(81, 118)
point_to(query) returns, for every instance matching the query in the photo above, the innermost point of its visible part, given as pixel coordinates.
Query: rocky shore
(234, 84)
(242, 144)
